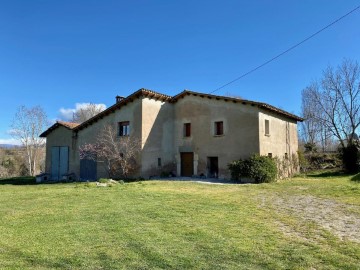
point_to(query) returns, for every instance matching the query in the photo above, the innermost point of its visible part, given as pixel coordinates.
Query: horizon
(62, 55)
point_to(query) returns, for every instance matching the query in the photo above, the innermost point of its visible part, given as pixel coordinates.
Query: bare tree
(119, 153)
(335, 102)
(86, 112)
(27, 126)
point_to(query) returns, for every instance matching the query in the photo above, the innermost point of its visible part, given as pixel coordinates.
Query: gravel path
(338, 218)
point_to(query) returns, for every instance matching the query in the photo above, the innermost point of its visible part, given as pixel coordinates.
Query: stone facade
(188, 134)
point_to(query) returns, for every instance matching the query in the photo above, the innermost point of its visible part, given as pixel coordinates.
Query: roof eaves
(67, 125)
(137, 94)
(236, 100)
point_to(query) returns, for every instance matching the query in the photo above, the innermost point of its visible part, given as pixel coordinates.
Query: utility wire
(286, 51)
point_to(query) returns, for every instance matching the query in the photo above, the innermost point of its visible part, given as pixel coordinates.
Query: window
(286, 156)
(270, 155)
(267, 128)
(187, 129)
(159, 162)
(124, 128)
(219, 128)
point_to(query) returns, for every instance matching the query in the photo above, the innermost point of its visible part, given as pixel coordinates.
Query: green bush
(260, 168)
(351, 158)
(237, 170)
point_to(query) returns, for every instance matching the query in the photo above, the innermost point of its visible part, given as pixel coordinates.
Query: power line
(286, 51)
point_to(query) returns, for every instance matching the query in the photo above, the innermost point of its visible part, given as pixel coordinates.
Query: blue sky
(59, 53)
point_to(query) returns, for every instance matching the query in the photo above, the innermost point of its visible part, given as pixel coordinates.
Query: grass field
(310, 222)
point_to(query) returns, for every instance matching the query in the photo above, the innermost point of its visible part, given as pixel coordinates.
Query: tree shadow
(356, 178)
(326, 174)
(27, 180)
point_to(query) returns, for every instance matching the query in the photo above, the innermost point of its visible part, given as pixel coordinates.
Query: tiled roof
(68, 125)
(158, 96)
(238, 100)
(140, 93)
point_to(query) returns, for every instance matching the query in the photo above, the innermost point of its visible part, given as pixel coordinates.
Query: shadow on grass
(325, 174)
(25, 180)
(356, 178)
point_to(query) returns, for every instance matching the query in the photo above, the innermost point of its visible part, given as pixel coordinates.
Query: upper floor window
(267, 127)
(124, 128)
(187, 129)
(219, 128)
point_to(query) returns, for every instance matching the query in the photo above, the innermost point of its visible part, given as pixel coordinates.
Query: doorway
(59, 161)
(213, 167)
(187, 164)
(88, 169)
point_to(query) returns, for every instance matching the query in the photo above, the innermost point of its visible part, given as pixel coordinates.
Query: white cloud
(67, 114)
(10, 141)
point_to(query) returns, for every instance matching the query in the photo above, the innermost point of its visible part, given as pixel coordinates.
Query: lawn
(310, 222)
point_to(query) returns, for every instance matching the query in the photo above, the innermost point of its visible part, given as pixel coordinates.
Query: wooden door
(187, 164)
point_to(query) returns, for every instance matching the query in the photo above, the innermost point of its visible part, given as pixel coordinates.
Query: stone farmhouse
(192, 133)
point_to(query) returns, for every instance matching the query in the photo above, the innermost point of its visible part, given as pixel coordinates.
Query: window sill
(220, 135)
(267, 135)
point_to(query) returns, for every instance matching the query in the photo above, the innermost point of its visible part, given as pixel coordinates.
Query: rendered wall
(283, 136)
(240, 138)
(130, 112)
(157, 137)
(61, 136)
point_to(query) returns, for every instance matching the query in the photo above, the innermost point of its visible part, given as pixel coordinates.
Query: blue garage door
(88, 169)
(59, 161)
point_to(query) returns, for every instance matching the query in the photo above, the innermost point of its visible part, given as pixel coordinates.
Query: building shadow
(19, 181)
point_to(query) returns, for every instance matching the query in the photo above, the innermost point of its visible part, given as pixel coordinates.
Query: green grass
(173, 225)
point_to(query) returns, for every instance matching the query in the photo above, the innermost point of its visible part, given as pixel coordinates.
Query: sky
(61, 54)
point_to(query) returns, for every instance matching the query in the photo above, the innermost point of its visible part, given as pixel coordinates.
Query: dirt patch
(337, 218)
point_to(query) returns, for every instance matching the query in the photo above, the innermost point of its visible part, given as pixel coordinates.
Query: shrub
(239, 168)
(350, 158)
(260, 168)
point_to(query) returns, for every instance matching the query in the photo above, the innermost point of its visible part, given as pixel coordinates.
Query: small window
(124, 128)
(159, 162)
(286, 156)
(270, 155)
(267, 127)
(219, 128)
(187, 129)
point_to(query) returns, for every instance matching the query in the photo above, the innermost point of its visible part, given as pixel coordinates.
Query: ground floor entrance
(88, 169)
(213, 167)
(187, 164)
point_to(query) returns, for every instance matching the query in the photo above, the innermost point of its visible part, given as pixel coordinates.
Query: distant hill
(9, 146)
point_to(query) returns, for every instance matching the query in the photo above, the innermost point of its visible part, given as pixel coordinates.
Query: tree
(86, 112)
(27, 126)
(333, 104)
(118, 153)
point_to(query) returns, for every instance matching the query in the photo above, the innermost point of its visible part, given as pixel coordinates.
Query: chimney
(118, 99)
